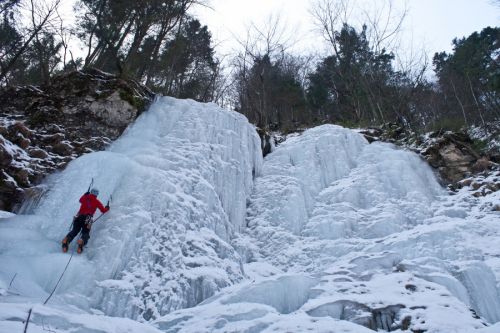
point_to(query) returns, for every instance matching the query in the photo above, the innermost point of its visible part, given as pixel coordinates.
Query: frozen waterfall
(179, 177)
(327, 234)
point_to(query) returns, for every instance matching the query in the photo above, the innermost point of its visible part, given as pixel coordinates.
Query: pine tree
(469, 77)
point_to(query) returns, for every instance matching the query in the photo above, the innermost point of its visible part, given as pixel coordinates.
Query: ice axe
(91, 183)
(109, 200)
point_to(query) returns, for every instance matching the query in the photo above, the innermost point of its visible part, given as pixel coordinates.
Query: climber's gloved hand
(86, 193)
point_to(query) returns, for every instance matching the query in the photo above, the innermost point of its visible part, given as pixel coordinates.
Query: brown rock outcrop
(450, 154)
(454, 158)
(43, 128)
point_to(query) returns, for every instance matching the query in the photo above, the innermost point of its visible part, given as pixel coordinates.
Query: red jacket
(90, 204)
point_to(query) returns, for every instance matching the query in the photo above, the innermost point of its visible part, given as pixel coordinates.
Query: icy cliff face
(328, 233)
(180, 178)
(334, 186)
(342, 230)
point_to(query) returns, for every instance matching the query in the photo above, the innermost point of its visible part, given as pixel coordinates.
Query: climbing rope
(72, 257)
(52, 293)
(64, 271)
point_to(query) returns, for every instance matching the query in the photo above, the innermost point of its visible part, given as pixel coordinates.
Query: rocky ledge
(43, 128)
(457, 157)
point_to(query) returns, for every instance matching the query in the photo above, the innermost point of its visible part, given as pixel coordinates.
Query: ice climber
(83, 220)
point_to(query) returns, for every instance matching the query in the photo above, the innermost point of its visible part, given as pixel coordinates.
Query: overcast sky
(436, 22)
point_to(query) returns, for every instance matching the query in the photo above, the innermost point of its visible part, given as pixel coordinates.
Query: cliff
(43, 128)
(457, 157)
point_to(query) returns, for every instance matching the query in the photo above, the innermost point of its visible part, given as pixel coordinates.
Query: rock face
(454, 159)
(450, 154)
(382, 318)
(44, 128)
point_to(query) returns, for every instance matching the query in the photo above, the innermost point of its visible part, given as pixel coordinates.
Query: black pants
(80, 223)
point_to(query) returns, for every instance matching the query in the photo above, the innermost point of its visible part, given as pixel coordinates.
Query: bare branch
(41, 14)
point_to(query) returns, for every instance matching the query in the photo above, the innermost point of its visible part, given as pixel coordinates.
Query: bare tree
(329, 17)
(383, 19)
(41, 14)
(385, 24)
(381, 27)
(65, 35)
(262, 46)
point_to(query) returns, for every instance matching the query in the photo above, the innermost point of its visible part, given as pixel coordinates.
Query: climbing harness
(88, 222)
(88, 219)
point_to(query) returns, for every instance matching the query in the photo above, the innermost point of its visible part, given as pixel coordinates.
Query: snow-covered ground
(327, 234)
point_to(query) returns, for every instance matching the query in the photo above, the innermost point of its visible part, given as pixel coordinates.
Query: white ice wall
(179, 177)
(328, 196)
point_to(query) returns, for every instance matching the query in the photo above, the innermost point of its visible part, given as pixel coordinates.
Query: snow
(4, 214)
(14, 151)
(327, 234)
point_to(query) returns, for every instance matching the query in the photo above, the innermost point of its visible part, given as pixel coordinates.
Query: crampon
(65, 245)
(80, 246)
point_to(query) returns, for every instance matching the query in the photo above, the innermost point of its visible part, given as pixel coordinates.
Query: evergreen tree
(10, 38)
(469, 78)
(186, 68)
(355, 83)
(270, 93)
(43, 56)
(118, 31)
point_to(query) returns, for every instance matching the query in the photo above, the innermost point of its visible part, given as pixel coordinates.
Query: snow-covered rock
(44, 128)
